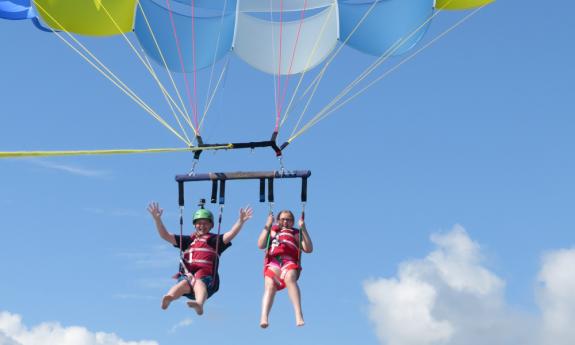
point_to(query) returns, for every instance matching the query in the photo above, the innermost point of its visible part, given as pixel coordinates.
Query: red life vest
(200, 257)
(285, 243)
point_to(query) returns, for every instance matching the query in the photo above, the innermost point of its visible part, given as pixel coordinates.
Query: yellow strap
(24, 154)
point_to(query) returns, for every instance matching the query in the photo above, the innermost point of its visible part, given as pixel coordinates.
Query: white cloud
(449, 298)
(74, 170)
(557, 297)
(184, 323)
(14, 332)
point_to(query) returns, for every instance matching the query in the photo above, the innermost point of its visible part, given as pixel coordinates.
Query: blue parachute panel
(212, 36)
(17, 10)
(387, 23)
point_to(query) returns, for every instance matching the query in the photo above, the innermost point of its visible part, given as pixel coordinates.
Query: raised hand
(155, 210)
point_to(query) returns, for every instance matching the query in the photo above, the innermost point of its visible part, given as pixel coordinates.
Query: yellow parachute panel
(460, 4)
(88, 17)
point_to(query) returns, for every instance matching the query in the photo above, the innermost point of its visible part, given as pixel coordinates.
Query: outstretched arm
(306, 243)
(156, 212)
(245, 214)
(263, 238)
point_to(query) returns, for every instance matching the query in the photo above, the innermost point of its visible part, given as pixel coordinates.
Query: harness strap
(217, 258)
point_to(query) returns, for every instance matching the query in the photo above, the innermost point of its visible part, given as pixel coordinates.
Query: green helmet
(202, 213)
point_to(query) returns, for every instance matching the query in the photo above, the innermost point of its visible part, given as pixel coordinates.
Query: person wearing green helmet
(198, 277)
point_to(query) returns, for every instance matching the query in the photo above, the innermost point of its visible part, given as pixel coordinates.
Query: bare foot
(299, 322)
(197, 307)
(166, 300)
(264, 323)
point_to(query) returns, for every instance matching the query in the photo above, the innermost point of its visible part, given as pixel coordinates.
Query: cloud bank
(14, 332)
(450, 298)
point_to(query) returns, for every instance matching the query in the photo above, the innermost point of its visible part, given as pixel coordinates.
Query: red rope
(181, 58)
(292, 56)
(278, 89)
(195, 109)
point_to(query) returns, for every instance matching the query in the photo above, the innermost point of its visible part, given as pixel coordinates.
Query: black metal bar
(262, 189)
(271, 189)
(214, 191)
(243, 175)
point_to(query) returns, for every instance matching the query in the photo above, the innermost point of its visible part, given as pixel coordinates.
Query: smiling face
(285, 219)
(203, 226)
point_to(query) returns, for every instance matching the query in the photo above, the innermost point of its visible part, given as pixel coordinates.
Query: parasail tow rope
(25, 154)
(322, 114)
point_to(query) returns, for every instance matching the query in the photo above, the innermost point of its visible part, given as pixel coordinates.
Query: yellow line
(106, 72)
(379, 61)
(331, 11)
(329, 110)
(24, 154)
(213, 94)
(147, 66)
(166, 97)
(183, 113)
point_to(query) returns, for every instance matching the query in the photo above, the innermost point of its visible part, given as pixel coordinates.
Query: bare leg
(201, 293)
(294, 296)
(267, 301)
(175, 292)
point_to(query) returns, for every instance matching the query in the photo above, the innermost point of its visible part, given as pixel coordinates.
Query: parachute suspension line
(320, 75)
(380, 60)
(195, 109)
(315, 83)
(108, 74)
(308, 62)
(286, 81)
(209, 94)
(213, 94)
(181, 58)
(278, 86)
(167, 98)
(183, 110)
(325, 112)
(146, 62)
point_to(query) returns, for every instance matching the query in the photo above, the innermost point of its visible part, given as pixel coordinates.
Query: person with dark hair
(283, 244)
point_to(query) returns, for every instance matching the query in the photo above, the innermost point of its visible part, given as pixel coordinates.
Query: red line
(175, 32)
(278, 91)
(293, 55)
(194, 64)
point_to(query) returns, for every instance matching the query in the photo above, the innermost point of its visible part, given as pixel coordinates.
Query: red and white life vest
(285, 243)
(200, 257)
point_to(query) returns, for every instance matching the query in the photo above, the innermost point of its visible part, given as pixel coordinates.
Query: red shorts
(283, 264)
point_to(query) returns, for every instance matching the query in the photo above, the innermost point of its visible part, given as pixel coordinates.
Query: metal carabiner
(194, 165)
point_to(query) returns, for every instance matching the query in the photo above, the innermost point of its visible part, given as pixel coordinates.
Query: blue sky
(440, 205)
